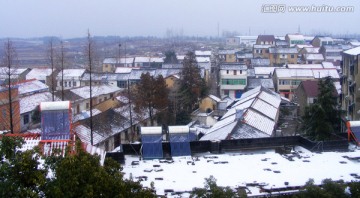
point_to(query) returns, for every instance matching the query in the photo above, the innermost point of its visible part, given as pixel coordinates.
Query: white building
(233, 80)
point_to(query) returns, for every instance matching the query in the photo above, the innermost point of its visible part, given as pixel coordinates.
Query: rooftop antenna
(299, 31)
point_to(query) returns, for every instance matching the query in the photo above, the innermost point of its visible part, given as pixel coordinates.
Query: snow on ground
(264, 167)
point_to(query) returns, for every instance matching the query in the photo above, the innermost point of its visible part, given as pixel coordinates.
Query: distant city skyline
(161, 18)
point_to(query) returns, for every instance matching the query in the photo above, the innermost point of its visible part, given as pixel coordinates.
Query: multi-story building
(280, 56)
(228, 56)
(233, 80)
(69, 78)
(265, 40)
(319, 41)
(261, 51)
(350, 78)
(295, 39)
(287, 80)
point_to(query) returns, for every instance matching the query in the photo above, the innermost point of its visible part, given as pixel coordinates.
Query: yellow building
(281, 56)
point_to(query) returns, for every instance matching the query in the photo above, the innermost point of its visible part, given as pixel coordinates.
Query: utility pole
(130, 111)
(90, 62)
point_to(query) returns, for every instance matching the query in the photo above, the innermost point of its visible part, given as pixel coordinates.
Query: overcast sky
(72, 18)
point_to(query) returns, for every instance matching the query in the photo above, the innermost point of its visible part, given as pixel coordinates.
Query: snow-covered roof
(262, 46)
(56, 105)
(265, 168)
(39, 73)
(31, 86)
(283, 50)
(311, 50)
(353, 51)
(226, 52)
(328, 65)
(172, 66)
(71, 73)
(355, 43)
(304, 66)
(295, 36)
(289, 73)
(202, 53)
(301, 46)
(322, 73)
(264, 70)
(257, 108)
(318, 57)
(306, 73)
(255, 82)
(260, 62)
(117, 60)
(123, 70)
(214, 98)
(85, 114)
(202, 59)
(13, 71)
(145, 59)
(226, 66)
(29, 103)
(84, 92)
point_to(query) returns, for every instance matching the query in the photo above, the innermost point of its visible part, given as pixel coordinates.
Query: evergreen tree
(212, 190)
(322, 118)
(192, 86)
(20, 174)
(150, 94)
(170, 58)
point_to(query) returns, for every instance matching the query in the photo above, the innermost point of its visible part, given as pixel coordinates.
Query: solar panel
(180, 144)
(152, 146)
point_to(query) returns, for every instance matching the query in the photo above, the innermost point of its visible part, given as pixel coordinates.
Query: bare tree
(51, 55)
(90, 54)
(62, 67)
(10, 115)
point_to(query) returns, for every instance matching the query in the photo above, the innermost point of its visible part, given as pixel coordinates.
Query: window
(284, 82)
(292, 55)
(65, 83)
(227, 71)
(111, 95)
(267, 51)
(100, 100)
(87, 105)
(105, 98)
(295, 82)
(226, 92)
(234, 72)
(233, 81)
(26, 118)
(240, 71)
(74, 84)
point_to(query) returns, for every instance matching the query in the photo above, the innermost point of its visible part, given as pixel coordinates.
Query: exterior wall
(108, 67)
(230, 58)
(207, 103)
(262, 53)
(170, 82)
(5, 111)
(283, 59)
(287, 86)
(68, 84)
(350, 100)
(232, 83)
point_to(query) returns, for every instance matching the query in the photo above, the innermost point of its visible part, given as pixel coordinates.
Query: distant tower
(218, 29)
(299, 31)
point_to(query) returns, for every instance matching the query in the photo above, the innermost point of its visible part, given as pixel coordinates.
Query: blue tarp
(152, 146)
(55, 125)
(180, 144)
